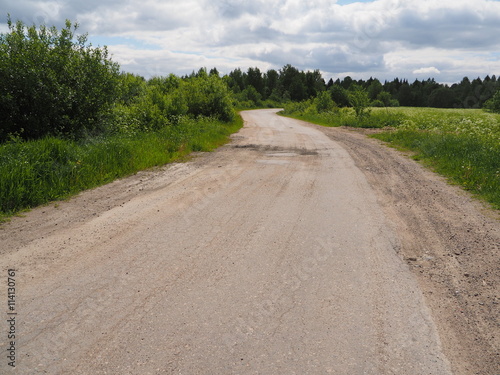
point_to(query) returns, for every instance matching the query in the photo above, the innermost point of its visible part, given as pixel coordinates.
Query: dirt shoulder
(451, 243)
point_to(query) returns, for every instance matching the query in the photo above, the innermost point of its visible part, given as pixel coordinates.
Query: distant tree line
(289, 83)
(286, 84)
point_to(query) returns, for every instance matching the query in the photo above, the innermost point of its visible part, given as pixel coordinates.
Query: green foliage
(385, 98)
(359, 100)
(394, 103)
(164, 101)
(463, 145)
(374, 89)
(52, 82)
(130, 87)
(443, 97)
(251, 95)
(323, 102)
(208, 96)
(493, 104)
(471, 161)
(35, 172)
(339, 95)
(377, 103)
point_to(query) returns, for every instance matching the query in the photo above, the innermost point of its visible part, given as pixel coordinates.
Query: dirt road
(287, 251)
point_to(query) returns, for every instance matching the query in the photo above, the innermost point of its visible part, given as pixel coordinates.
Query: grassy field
(378, 118)
(461, 144)
(36, 172)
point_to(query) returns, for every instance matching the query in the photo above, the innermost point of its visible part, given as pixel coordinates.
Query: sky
(409, 39)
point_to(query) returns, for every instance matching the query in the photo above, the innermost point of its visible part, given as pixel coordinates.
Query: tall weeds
(36, 172)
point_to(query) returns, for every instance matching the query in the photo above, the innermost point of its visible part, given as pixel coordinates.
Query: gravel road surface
(294, 249)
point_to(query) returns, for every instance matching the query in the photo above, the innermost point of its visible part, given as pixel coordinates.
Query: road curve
(268, 256)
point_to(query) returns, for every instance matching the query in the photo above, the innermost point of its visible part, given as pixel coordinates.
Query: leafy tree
(493, 104)
(208, 96)
(271, 79)
(315, 84)
(297, 88)
(131, 86)
(251, 94)
(347, 82)
(289, 76)
(405, 96)
(52, 82)
(359, 100)
(339, 95)
(202, 73)
(237, 80)
(374, 89)
(324, 102)
(385, 98)
(442, 97)
(166, 84)
(254, 78)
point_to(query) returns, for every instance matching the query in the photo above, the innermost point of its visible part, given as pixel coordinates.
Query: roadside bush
(164, 101)
(52, 82)
(493, 104)
(131, 86)
(323, 102)
(208, 96)
(298, 108)
(359, 100)
(251, 95)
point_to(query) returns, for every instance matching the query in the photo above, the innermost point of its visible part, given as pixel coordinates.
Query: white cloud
(381, 38)
(430, 71)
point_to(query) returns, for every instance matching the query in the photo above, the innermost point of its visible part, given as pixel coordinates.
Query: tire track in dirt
(449, 240)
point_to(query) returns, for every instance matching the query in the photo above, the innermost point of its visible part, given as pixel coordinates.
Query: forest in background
(290, 84)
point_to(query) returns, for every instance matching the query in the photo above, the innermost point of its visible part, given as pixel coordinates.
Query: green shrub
(52, 82)
(359, 100)
(493, 104)
(323, 102)
(208, 96)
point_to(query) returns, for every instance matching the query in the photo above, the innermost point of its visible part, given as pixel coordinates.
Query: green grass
(461, 144)
(378, 118)
(36, 172)
(472, 162)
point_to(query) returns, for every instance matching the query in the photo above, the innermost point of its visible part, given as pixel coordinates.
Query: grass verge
(346, 117)
(469, 161)
(36, 172)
